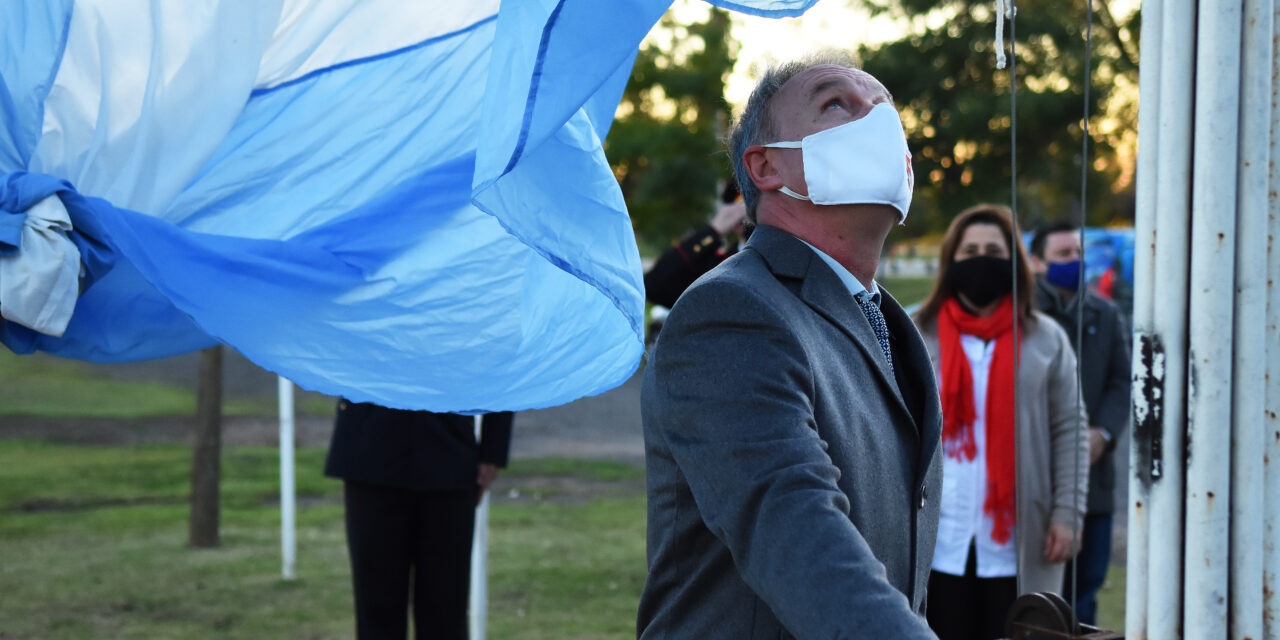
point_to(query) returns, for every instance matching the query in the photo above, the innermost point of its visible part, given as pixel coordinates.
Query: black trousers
(968, 607)
(398, 537)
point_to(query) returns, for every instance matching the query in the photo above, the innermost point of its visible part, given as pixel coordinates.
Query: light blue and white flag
(398, 202)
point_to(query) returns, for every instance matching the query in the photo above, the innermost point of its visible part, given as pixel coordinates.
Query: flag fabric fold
(401, 203)
(767, 8)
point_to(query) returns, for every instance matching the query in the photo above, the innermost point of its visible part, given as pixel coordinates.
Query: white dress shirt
(964, 489)
(850, 282)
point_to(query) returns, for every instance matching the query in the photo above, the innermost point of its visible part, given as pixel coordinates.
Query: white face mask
(861, 162)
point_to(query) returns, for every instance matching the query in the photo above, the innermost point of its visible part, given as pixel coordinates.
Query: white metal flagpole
(479, 562)
(1248, 443)
(288, 544)
(1144, 421)
(1271, 422)
(1209, 354)
(1168, 342)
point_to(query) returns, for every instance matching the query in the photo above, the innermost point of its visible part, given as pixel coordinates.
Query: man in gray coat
(1056, 258)
(791, 416)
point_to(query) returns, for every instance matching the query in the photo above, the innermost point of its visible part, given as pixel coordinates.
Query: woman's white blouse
(964, 489)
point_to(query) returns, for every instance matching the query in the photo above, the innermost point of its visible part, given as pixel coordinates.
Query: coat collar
(1051, 301)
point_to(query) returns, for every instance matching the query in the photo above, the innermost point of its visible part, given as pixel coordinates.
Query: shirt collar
(1054, 298)
(851, 283)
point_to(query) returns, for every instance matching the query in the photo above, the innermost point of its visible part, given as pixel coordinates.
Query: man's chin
(886, 213)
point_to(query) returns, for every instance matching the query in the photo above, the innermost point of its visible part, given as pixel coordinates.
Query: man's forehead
(1065, 237)
(810, 83)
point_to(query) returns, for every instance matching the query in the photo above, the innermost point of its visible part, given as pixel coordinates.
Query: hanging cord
(1008, 5)
(1080, 291)
(1004, 8)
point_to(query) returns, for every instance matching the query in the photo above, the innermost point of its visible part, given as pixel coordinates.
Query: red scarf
(958, 413)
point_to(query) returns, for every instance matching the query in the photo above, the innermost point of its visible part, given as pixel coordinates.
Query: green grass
(43, 386)
(562, 571)
(39, 385)
(598, 470)
(1111, 601)
(93, 541)
(908, 291)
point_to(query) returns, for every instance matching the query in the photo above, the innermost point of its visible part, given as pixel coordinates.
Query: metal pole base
(1046, 616)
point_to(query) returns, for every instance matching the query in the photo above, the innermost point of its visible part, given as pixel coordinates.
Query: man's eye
(833, 103)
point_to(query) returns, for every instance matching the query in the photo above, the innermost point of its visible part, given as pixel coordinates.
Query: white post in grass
(479, 562)
(288, 544)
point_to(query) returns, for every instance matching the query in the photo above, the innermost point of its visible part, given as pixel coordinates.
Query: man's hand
(1059, 543)
(485, 475)
(1097, 443)
(729, 217)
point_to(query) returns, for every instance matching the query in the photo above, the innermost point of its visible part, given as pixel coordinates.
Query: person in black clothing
(698, 252)
(1057, 258)
(412, 480)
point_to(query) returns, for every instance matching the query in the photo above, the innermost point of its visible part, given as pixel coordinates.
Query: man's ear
(1038, 266)
(761, 170)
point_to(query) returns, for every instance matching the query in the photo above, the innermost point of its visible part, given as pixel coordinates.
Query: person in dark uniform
(412, 480)
(698, 251)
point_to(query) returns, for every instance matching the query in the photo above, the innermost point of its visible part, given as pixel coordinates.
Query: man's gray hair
(755, 124)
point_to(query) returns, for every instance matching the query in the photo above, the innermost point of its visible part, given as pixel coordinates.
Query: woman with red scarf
(1016, 458)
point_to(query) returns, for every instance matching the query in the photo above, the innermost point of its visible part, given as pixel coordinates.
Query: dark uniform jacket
(417, 450)
(695, 254)
(1104, 370)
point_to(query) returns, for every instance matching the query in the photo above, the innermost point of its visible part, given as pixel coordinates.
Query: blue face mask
(1064, 275)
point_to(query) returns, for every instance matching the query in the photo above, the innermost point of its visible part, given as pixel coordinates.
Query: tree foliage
(665, 146)
(956, 108)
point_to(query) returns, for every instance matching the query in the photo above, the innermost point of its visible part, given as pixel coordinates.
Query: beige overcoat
(1052, 446)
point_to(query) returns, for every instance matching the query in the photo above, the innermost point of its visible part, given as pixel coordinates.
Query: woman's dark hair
(999, 216)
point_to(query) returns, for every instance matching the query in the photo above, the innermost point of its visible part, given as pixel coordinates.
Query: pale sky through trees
(846, 24)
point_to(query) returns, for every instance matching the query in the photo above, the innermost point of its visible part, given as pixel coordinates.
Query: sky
(846, 24)
(839, 24)
(842, 24)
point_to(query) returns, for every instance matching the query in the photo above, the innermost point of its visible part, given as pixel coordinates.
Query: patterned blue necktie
(876, 319)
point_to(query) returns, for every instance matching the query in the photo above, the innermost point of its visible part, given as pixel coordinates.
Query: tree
(665, 144)
(206, 454)
(956, 110)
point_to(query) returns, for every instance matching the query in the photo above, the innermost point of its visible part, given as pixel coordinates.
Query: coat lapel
(916, 367)
(823, 291)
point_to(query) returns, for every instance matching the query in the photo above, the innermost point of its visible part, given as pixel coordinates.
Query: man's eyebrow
(832, 83)
(823, 86)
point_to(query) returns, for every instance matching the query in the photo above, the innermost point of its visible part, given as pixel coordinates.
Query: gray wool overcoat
(791, 476)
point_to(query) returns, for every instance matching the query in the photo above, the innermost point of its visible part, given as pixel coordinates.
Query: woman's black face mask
(982, 279)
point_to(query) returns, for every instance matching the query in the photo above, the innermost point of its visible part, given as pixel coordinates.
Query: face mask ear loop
(796, 144)
(786, 191)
